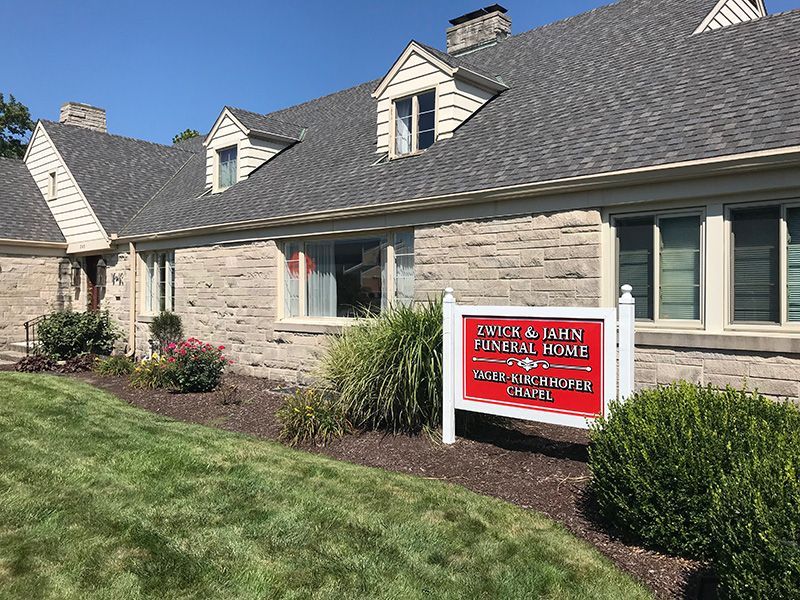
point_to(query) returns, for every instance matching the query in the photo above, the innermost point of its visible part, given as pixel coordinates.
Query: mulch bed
(533, 465)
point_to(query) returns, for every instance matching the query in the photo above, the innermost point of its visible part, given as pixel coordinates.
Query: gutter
(33, 243)
(761, 159)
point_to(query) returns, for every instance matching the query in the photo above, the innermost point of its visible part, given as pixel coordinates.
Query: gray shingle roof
(460, 62)
(619, 87)
(117, 174)
(25, 215)
(267, 125)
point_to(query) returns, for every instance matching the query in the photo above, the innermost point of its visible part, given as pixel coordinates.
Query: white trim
(761, 10)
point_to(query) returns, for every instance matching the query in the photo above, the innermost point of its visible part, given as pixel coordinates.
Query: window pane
(402, 134)
(755, 264)
(793, 262)
(680, 268)
(162, 282)
(425, 139)
(635, 261)
(291, 277)
(404, 267)
(227, 167)
(344, 277)
(427, 102)
(426, 122)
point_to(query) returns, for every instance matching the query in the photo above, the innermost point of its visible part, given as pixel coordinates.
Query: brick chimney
(478, 29)
(83, 115)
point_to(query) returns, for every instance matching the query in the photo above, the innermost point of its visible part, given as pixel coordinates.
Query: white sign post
(552, 365)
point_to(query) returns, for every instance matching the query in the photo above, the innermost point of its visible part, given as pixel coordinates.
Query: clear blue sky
(160, 67)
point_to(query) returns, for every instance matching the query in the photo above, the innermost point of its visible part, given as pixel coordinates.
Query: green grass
(102, 500)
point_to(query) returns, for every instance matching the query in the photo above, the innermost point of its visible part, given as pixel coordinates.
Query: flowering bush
(195, 366)
(311, 415)
(153, 372)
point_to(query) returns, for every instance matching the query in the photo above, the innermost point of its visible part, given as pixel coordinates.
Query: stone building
(649, 142)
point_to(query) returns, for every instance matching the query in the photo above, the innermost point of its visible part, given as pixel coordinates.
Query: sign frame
(614, 383)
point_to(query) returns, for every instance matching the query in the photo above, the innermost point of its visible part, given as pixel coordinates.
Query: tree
(15, 127)
(186, 134)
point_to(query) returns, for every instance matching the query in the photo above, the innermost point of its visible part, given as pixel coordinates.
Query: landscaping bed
(535, 466)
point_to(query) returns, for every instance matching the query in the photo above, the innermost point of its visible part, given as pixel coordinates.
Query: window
(52, 189)
(226, 169)
(660, 256)
(159, 294)
(347, 277)
(755, 241)
(415, 123)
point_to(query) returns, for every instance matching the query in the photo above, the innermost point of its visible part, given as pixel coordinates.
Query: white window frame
(414, 97)
(389, 270)
(218, 162)
(783, 237)
(657, 215)
(151, 283)
(52, 185)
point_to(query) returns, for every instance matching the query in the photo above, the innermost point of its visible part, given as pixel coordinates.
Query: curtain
(680, 268)
(402, 138)
(404, 267)
(291, 280)
(793, 262)
(635, 260)
(321, 287)
(755, 265)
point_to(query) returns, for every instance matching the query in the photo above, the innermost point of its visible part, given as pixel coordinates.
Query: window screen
(635, 261)
(756, 259)
(679, 268)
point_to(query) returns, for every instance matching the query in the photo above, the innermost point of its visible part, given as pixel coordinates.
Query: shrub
(64, 335)
(78, 364)
(311, 416)
(166, 329)
(755, 521)
(35, 363)
(195, 366)
(657, 459)
(387, 370)
(152, 373)
(117, 365)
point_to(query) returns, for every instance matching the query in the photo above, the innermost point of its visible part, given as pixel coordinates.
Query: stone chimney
(478, 29)
(83, 115)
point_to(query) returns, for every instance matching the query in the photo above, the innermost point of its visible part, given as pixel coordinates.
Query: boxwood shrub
(658, 459)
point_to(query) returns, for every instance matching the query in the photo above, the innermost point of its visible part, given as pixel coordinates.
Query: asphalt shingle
(25, 215)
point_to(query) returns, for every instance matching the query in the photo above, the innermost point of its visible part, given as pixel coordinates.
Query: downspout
(132, 259)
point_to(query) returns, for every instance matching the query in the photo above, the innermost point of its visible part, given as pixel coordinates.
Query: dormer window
(226, 167)
(415, 123)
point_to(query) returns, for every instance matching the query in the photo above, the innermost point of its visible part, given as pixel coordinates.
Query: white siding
(456, 100)
(731, 12)
(70, 208)
(252, 152)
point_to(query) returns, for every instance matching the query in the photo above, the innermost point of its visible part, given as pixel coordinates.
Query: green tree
(186, 134)
(15, 127)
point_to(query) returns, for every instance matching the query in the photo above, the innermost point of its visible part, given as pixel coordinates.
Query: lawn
(102, 500)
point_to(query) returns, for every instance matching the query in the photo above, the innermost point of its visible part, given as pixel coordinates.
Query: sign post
(553, 365)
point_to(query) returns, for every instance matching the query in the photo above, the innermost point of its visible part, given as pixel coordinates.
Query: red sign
(541, 364)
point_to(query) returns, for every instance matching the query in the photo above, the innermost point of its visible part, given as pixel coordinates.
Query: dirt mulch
(533, 465)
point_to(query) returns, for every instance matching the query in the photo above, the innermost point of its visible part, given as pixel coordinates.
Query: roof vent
(478, 29)
(83, 115)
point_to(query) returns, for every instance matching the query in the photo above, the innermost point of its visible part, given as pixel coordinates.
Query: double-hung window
(347, 277)
(765, 264)
(414, 123)
(159, 282)
(226, 167)
(661, 257)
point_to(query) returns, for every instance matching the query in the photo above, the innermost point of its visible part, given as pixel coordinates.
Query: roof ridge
(267, 115)
(116, 135)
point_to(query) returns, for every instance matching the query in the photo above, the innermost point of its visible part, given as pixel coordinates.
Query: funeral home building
(648, 142)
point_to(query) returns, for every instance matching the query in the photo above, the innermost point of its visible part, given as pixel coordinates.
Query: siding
(70, 208)
(731, 12)
(456, 100)
(252, 152)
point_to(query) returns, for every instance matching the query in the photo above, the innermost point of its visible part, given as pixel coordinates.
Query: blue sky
(160, 67)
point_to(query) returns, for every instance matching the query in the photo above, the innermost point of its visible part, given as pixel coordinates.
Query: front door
(92, 287)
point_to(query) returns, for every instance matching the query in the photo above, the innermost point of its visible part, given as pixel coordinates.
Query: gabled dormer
(425, 96)
(731, 12)
(241, 141)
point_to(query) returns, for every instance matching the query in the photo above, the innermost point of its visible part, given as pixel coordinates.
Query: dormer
(425, 96)
(731, 12)
(241, 141)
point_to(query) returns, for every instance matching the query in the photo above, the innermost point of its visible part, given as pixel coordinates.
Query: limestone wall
(30, 286)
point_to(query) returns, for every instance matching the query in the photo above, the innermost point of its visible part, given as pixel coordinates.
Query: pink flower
(221, 348)
(182, 352)
(172, 345)
(171, 359)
